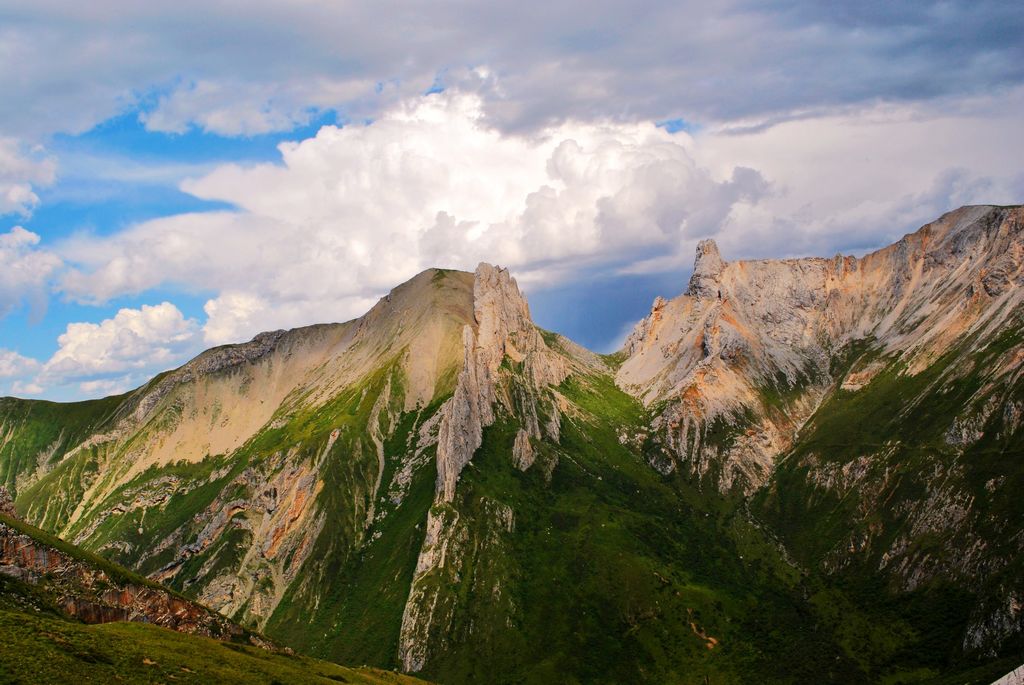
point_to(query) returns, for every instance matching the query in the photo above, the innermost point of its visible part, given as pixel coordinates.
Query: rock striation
(508, 369)
(93, 594)
(745, 333)
(503, 331)
(755, 369)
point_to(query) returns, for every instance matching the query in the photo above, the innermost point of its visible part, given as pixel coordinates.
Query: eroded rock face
(707, 270)
(94, 596)
(504, 330)
(508, 368)
(453, 545)
(522, 451)
(739, 363)
(280, 524)
(463, 418)
(751, 343)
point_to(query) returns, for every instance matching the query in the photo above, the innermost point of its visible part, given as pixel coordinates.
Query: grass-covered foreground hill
(797, 471)
(69, 616)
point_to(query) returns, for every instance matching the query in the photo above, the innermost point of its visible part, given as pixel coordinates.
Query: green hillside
(43, 644)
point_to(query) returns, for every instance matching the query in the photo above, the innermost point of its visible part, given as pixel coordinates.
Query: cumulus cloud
(14, 365)
(858, 181)
(353, 211)
(27, 388)
(25, 270)
(108, 386)
(19, 172)
(147, 339)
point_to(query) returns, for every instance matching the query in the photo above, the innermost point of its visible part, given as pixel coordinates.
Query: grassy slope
(353, 609)
(41, 648)
(30, 428)
(618, 575)
(898, 421)
(40, 644)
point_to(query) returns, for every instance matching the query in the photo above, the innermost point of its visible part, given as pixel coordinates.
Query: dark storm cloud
(265, 66)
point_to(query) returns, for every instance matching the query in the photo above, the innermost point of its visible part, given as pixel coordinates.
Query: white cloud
(147, 339)
(25, 270)
(67, 66)
(233, 316)
(104, 387)
(19, 172)
(26, 388)
(14, 365)
(241, 108)
(860, 180)
(356, 210)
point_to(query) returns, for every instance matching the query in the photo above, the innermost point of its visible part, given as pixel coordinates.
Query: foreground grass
(43, 649)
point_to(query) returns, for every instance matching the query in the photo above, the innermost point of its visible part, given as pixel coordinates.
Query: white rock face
(462, 419)
(707, 271)
(503, 329)
(522, 452)
(486, 384)
(747, 327)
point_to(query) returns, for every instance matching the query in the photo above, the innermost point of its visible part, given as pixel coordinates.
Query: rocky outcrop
(463, 417)
(93, 594)
(522, 452)
(6, 503)
(210, 362)
(504, 331)
(707, 271)
(455, 545)
(751, 343)
(508, 368)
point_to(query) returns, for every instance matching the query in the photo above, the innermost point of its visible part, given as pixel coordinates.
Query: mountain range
(802, 470)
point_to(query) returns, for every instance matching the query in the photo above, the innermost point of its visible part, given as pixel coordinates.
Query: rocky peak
(503, 328)
(646, 328)
(501, 313)
(707, 270)
(710, 355)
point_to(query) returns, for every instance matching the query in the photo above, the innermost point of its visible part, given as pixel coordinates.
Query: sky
(180, 175)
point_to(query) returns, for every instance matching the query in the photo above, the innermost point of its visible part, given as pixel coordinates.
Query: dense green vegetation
(615, 574)
(887, 449)
(355, 613)
(33, 427)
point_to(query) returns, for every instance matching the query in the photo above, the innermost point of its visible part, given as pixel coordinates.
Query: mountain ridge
(388, 489)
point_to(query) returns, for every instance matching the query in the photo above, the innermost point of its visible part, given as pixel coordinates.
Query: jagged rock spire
(503, 328)
(707, 270)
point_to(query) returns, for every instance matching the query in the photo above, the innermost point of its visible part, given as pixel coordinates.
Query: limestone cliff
(823, 388)
(507, 370)
(751, 343)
